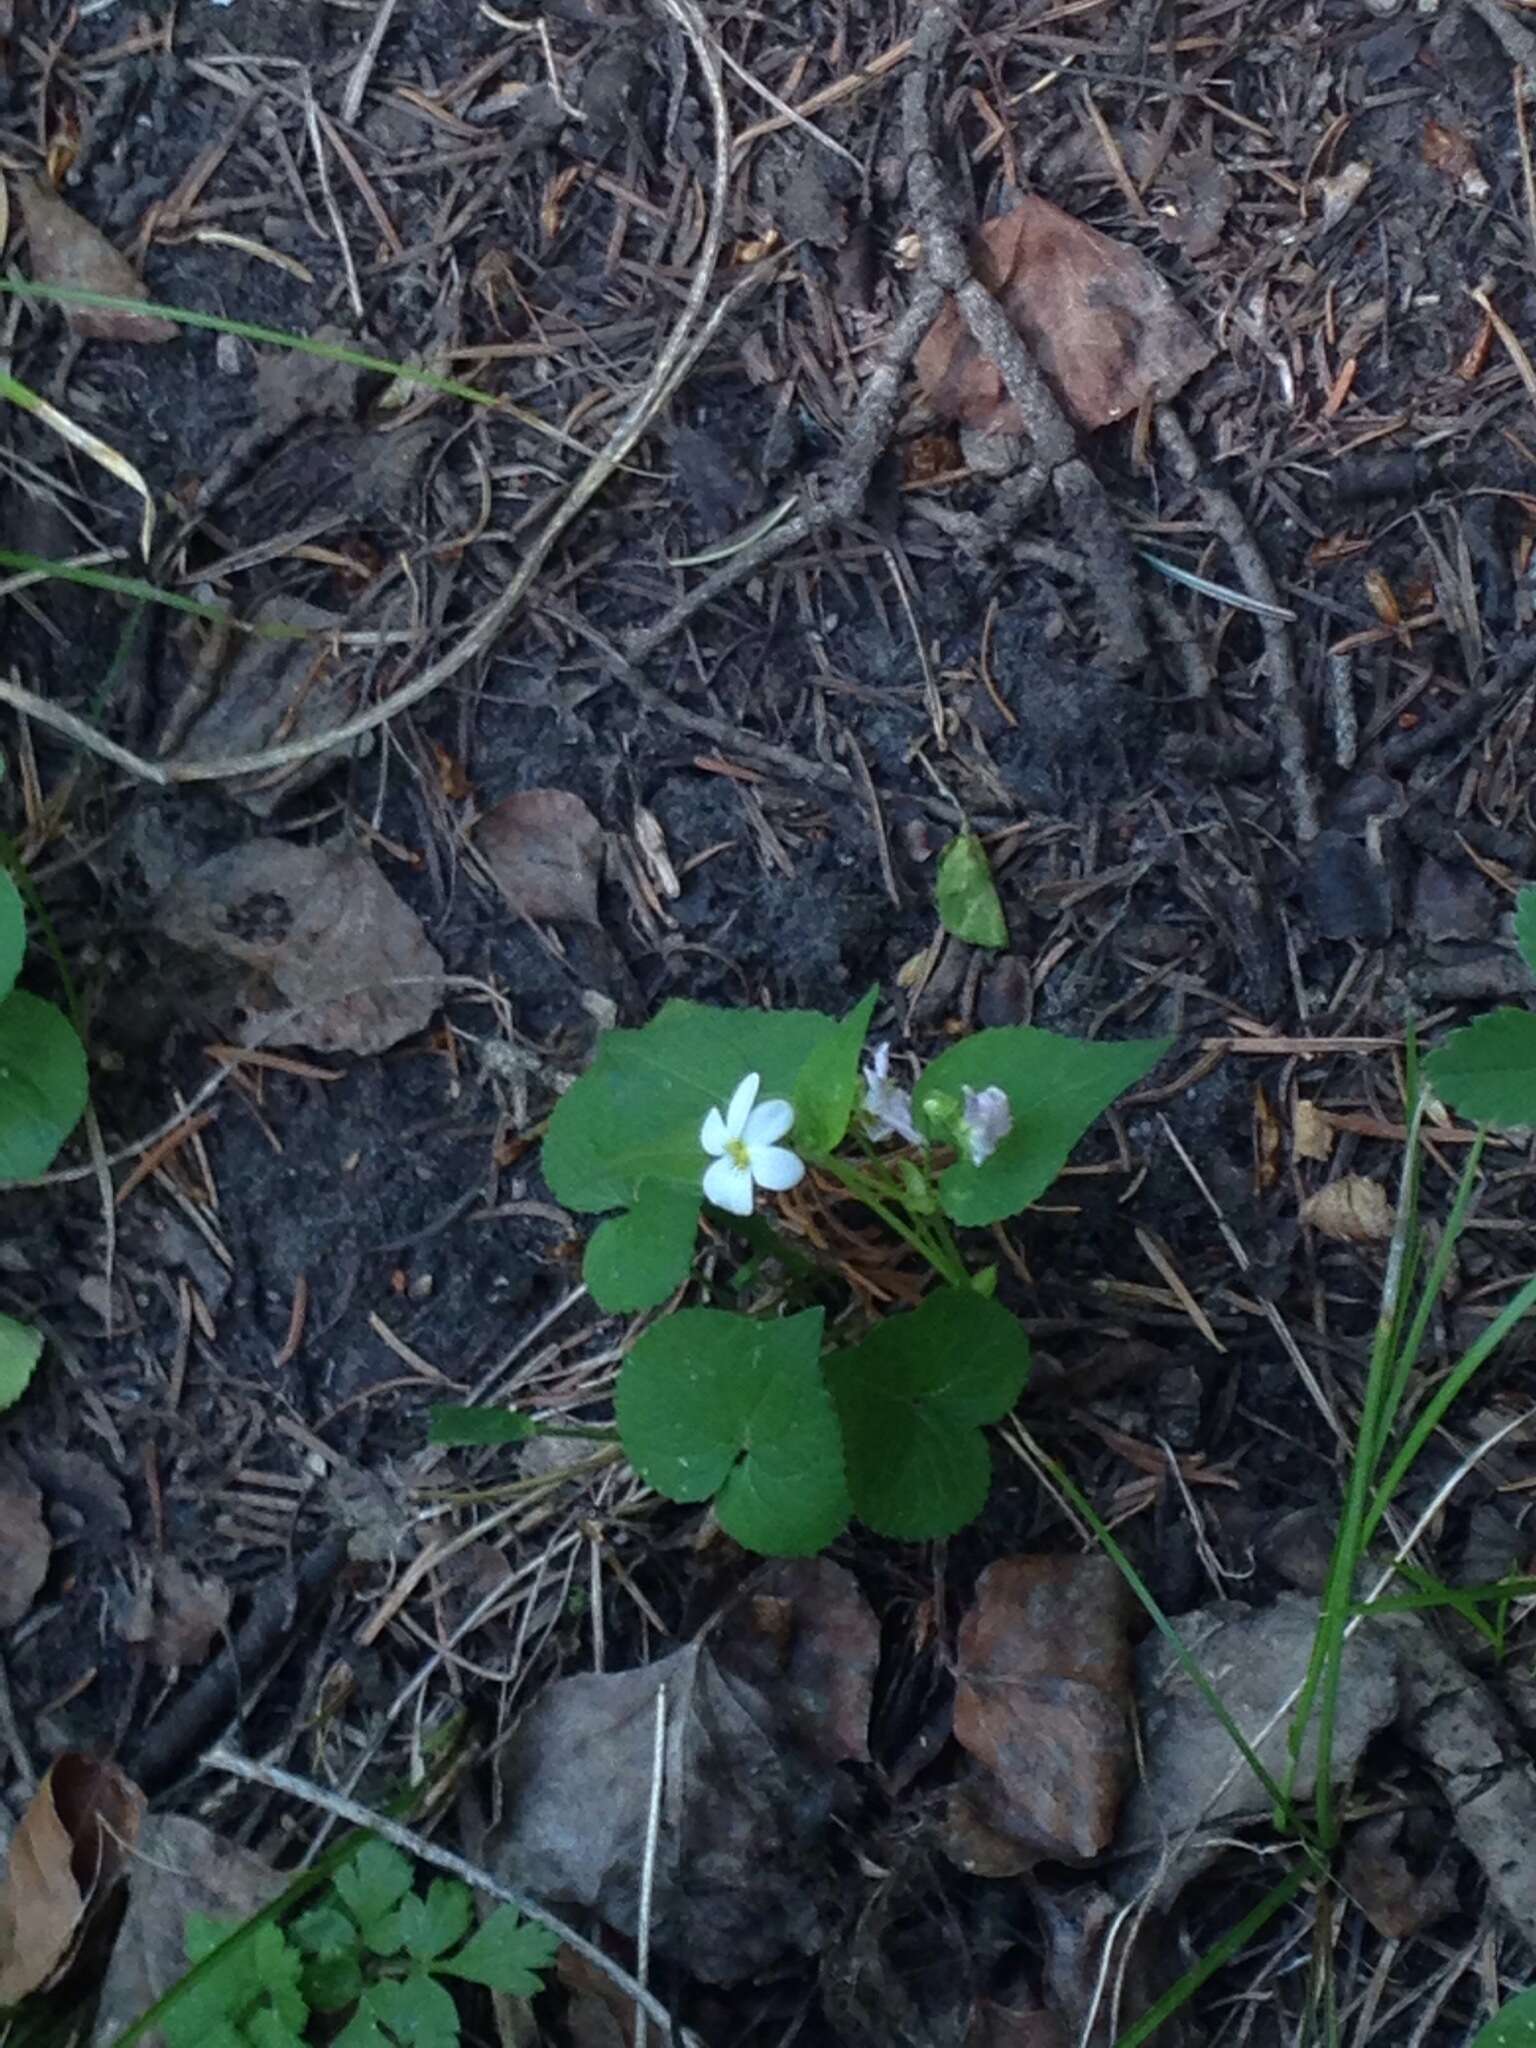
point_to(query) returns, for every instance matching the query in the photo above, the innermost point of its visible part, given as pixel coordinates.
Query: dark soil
(290, 1293)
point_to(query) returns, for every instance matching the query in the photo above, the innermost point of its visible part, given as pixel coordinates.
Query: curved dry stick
(681, 350)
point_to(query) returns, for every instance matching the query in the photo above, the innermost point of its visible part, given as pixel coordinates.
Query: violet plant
(797, 1418)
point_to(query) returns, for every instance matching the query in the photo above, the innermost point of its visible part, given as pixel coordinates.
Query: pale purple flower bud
(987, 1120)
(887, 1108)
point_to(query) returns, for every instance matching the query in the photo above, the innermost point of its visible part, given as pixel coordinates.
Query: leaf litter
(68, 1851)
(545, 850)
(67, 251)
(341, 963)
(25, 1545)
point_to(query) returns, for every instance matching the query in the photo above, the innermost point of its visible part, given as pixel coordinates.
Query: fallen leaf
(1448, 150)
(68, 251)
(25, 1545)
(1198, 196)
(277, 690)
(1191, 1777)
(1042, 1703)
(181, 1868)
(1340, 191)
(68, 1851)
(804, 1635)
(1400, 1895)
(86, 1487)
(1005, 2026)
(545, 850)
(1311, 1132)
(741, 1854)
(183, 1617)
(1351, 1209)
(344, 965)
(1103, 324)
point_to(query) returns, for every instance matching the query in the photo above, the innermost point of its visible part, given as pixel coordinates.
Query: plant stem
(945, 1262)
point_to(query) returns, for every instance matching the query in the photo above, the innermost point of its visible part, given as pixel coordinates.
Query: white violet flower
(887, 1108)
(986, 1121)
(747, 1155)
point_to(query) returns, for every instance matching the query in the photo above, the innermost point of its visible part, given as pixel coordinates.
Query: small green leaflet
(967, 895)
(1487, 1070)
(261, 1972)
(1512, 2026)
(475, 1426)
(507, 1954)
(371, 1886)
(43, 1084)
(634, 1261)
(415, 2011)
(1056, 1088)
(20, 1349)
(828, 1083)
(912, 1398)
(710, 1403)
(13, 933)
(1525, 926)
(432, 1925)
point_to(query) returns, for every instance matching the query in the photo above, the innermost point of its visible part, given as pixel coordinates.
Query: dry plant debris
(344, 964)
(545, 850)
(1103, 324)
(67, 251)
(25, 1544)
(70, 1848)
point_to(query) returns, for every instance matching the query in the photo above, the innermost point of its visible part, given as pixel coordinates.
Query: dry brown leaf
(345, 965)
(68, 1851)
(806, 1637)
(68, 251)
(545, 849)
(1397, 1872)
(741, 1863)
(1448, 150)
(183, 1617)
(181, 1868)
(1311, 1132)
(1351, 1209)
(1005, 2026)
(1042, 1703)
(25, 1545)
(1102, 323)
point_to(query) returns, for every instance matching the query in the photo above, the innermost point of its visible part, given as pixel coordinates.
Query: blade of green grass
(145, 593)
(1232, 1943)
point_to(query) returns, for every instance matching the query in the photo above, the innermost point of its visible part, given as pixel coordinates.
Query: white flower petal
(776, 1168)
(987, 1121)
(887, 1107)
(768, 1122)
(729, 1186)
(713, 1135)
(741, 1105)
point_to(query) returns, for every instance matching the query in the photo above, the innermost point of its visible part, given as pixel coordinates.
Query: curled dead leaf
(68, 251)
(68, 1851)
(1448, 150)
(1311, 1132)
(1351, 1209)
(1103, 324)
(545, 849)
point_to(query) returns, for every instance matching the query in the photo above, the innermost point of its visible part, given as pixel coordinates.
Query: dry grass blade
(88, 444)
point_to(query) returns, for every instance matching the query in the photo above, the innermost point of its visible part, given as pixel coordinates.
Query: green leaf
(267, 2029)
(713, 1403)
(634, 1261)
(507, 1953)
(13, 933)
(361, 2031)
(371, 1886)
(438, 1922)
(1487, 1070)
(333, 1977)
(449, 1425)
(1055, 1086)
(260, 1971)
(416, 2010)
(43, 1084)
(1525, 927)
(1512, 2026)
(825, 1092)
(912, 1398)
(20, 1348)
(967, 894)
(635, 1115)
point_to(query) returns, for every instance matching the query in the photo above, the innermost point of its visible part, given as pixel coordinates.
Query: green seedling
(364, 1966)
(1487, 1070)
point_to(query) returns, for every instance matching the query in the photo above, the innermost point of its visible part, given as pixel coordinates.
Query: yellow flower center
(737, 1153)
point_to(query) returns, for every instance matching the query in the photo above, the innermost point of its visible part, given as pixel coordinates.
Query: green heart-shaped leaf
(13, 933)
(43, 1084)
(968, 901)
(1056, 1087)
(1525, 927)
(912, 1399)
(20, 1348)
(828, 1083)
(710, 1403)
(635, 1260)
